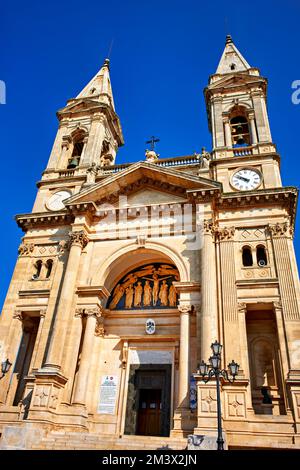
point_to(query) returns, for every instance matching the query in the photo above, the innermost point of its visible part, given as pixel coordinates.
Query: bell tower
(87, 140)
(244, 155)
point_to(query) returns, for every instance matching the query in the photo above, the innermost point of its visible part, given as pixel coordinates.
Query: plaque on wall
(108, 394)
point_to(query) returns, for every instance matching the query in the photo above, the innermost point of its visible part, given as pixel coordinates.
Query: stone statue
(138, 292)
(172, 296)
(91, 173)
(129, 297)
(147, 294)
(163, 293)
(205, 157)
(118, 294)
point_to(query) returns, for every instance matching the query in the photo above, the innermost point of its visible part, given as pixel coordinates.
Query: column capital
(18, 315)
(242, 307)
(25, 249)
(43, 312)
(95, 311)
(185, 309)
(277, 305)
(281, 229)
(209, 227)
(78, 238)
(225, 233)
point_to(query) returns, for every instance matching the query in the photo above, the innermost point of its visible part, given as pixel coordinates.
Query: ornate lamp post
(207, 371)
(5, 366)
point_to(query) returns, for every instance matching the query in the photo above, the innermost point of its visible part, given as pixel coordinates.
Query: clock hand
(242, 178)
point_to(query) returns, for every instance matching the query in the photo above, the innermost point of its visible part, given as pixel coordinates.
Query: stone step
(76, 440)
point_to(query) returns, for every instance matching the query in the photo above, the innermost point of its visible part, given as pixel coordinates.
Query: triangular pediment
(235, 80)
(144, 183)
(143, 196)
(79, 105)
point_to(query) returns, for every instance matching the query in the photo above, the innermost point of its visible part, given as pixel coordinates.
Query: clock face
(55, 202)
(246, 179)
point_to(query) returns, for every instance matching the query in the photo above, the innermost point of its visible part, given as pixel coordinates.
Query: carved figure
(129, 297)
(118, 294)
(172, 296)
(138, 292)
(147, 294)
(163, 293)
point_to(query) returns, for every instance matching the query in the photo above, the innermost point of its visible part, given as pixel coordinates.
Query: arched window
(240, 131)
(247, 256)
(261, 256)
(38, 267)
(78, 144)
(49, 264)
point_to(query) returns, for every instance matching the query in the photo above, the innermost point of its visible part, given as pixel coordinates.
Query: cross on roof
(152, 141)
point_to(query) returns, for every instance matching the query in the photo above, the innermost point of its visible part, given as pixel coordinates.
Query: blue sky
(163, 53)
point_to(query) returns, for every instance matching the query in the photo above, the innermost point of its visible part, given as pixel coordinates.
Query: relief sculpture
(149, 286)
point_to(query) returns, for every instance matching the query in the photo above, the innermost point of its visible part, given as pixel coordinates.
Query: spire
(232, 60)
(99, 88)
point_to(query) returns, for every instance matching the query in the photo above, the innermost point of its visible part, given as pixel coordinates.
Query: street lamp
(214, 369)
(5, 366)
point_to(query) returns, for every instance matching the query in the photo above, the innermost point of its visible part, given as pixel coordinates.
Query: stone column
(78, 241)
(281, 234)
(228, 139)
(209, 294)
(252, 129)
(219, 129)
(262, 124)
(91, 314)
(92, 151)
(64, 152)
(225, 237)
(184, 356)
(37, 361)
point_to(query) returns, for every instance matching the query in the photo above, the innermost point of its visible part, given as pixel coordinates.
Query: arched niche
(130, 257)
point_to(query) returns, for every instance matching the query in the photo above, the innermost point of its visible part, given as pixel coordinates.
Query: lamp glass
(5, 366)
(202, 367)
(215, 362)
(216, 348)
(233, 367)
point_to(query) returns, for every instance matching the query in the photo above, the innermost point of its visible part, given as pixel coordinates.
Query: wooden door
(149, 412)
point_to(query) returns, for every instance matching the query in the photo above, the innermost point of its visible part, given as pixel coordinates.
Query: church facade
(127, 273)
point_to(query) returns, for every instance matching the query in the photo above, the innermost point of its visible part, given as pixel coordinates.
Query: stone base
(204, 442)
(20, 437)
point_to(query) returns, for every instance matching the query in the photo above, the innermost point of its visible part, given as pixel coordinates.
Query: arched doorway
(141, 288)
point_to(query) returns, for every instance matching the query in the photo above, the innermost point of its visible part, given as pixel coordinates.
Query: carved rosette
(281, 230)
(79, 238)
(225, 233)
(25, 249)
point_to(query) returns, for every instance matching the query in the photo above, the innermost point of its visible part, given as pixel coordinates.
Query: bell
(73, 163)
(240, 140)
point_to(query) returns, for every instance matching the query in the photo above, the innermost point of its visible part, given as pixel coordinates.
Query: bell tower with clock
(244, 157)
(86, 143)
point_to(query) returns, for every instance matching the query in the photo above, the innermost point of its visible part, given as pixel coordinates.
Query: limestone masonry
(127, 273)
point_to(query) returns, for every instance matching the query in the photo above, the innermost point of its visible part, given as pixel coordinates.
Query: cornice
(26, 221)
(286, 196)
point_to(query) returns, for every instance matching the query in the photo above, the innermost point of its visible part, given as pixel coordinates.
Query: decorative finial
(228, 39)
(106, 63)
